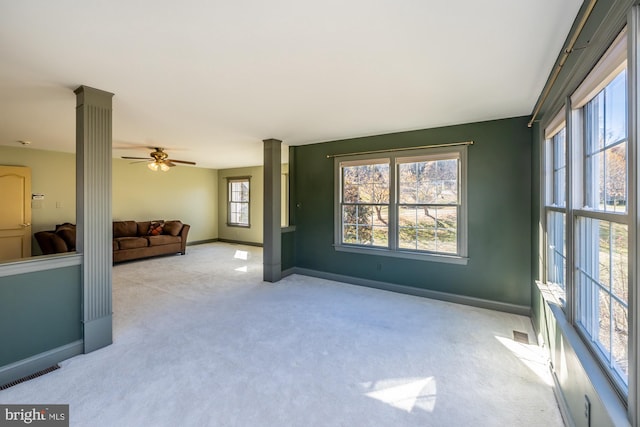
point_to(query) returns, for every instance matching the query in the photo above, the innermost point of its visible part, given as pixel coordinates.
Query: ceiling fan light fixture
(160, 160)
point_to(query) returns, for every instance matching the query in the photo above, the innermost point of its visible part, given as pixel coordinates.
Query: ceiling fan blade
(136, 158)
(139, 161)
(169, 163)
(184, 162)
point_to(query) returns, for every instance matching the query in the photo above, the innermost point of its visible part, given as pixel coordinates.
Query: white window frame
(230, 181)
(393, 250)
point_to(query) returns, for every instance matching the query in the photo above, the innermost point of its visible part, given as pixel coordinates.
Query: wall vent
(521, 337)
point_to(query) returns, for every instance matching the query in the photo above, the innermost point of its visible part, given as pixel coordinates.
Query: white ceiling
(212, 79)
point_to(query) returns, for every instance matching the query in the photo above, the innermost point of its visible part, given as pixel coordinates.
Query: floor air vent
(521, 337)
(30, 377)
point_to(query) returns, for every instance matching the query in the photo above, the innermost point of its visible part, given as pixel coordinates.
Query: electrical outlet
(587, 410)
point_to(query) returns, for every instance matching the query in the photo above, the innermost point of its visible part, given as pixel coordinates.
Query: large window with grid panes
(601, 227)
(586, 200)
(403, 203)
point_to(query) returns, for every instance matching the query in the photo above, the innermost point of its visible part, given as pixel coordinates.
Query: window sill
(552, 293)
(288, 229)
(239, 225)
(448, 259)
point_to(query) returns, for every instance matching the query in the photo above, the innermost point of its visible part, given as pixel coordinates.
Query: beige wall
(186, 193)
(252, 234)
(53, 174)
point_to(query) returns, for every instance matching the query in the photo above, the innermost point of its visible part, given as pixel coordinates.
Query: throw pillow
(155, 228)
(172, 227)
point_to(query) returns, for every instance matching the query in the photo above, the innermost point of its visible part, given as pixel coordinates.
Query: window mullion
(633, 295)
(610, 291)
(393, 205)
(573, 124)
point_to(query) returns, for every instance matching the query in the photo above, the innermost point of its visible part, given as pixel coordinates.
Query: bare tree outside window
(365, 212)
(424, 203)
(428, 214)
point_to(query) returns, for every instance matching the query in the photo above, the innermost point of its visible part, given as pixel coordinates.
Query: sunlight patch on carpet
(243, 255)
(406, 394)
(531, 356)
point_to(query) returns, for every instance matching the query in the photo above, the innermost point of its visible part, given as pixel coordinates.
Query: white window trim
(556, 124)
(393, 251)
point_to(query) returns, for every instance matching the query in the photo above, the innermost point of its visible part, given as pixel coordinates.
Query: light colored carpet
(200, 340)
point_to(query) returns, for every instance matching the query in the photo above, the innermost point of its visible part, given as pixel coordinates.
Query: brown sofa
(131, 239)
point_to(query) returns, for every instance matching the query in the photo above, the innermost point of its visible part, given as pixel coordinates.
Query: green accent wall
(288, 250)
(39, 311)
(536, 227)
(499, 213)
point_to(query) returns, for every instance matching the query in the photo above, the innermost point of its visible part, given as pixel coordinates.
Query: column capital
(93, 96)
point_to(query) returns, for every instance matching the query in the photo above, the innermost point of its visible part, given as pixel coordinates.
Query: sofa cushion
(143, 227)
(132, 242)
(172, 227)
(59, 245)
(50, 243)
(155, 228)
(67, 232)
(115, 245)
(69, 237)
(124, 229)
(163, 239)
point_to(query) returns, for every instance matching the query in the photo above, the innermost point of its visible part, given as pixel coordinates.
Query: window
(238, 211)
(602, 238)
(587, 223)
(365, 203)
(407, 204)
(428, 204)
(555, 207)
